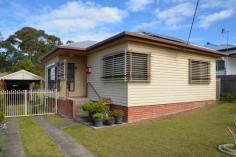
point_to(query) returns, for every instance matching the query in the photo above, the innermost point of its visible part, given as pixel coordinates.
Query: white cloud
(207, 20)
(206, 4)
(138, 5)
(76, 18)
(174, 15)
(78, 15)
(91, 35)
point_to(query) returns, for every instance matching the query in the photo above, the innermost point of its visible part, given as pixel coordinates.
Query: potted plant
(98, 119)
(100, 107)
(109, 120)
(118, 115)
(89, 107)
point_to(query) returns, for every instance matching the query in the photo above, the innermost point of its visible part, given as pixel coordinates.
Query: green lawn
(192, 134)
(1, 142)
(35, 140)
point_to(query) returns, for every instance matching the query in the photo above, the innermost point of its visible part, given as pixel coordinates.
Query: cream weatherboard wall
(80, 76)
(169, 78)
(116, 90)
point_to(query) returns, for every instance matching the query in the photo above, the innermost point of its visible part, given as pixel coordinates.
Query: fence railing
(28, 102)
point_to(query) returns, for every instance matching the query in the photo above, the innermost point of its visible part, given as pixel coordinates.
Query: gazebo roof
(21, 75)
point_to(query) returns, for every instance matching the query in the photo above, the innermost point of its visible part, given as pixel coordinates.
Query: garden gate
(28, 102)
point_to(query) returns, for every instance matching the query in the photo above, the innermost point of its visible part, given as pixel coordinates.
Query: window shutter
(114, 67)
(131, 66)
(138, 66)
(199, 72)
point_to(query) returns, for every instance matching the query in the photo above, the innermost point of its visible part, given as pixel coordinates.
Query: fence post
(56, 100)
(25, 102)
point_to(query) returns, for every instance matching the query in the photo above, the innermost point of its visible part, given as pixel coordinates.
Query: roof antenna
(194, 15)
(223, 30)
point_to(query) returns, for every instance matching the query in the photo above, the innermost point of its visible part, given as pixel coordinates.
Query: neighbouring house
(145, 75)
(225, 65)
(20, 80)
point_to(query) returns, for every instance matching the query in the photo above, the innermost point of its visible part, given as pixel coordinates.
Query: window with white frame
(128, 66)
(199, 72)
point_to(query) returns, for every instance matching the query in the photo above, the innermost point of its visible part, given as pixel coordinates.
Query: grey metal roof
(220, 46)
(162, 36)
(82, 44)
(229, 50)
(173, 39)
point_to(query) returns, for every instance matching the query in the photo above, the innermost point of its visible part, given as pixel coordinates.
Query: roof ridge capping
(178, 43)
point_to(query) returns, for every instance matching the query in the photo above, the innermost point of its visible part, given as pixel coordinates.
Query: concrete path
(12, 146)
(68, 146)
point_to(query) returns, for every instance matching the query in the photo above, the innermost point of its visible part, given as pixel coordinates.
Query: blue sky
(99, 19)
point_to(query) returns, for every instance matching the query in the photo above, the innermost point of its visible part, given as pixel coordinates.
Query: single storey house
(146, 75)
(225, 65)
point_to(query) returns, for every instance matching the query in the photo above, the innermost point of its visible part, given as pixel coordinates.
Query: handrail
(99, 97)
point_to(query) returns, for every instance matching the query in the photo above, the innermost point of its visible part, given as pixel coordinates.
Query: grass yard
(1, 142)
(35, 141)
(191, 134)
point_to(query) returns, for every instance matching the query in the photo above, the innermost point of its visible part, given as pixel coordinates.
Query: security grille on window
(199, 72)
(61, 70)
(130, 66)
(71, 76)
(52, 78)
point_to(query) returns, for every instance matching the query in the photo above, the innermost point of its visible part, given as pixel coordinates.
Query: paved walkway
(69, 147)
(12, 146)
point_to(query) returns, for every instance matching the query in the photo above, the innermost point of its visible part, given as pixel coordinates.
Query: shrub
(99, 107)
(89, 106)
(98, 115)
(95, 107)
(2, 118)
(118, 113)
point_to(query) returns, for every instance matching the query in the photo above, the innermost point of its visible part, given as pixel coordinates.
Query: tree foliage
(23, 49)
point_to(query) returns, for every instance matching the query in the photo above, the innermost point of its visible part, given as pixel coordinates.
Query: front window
(128, 66)
(199, 72)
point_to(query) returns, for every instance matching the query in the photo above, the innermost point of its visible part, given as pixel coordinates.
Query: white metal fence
(28, 102)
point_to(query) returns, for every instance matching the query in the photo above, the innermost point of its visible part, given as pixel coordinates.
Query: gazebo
(20, 80)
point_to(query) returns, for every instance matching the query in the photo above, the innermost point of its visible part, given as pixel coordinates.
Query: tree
(27, 43)
(25, 64)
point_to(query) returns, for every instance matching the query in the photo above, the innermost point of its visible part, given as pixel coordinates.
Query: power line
(195, 12)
